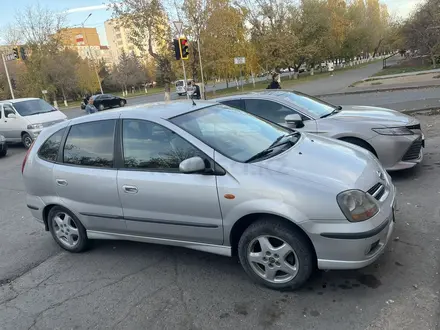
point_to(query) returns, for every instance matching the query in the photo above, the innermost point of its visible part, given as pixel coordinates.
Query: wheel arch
(353, 140)
(244, 222)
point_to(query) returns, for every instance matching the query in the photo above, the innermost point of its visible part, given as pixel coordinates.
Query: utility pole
(90, 52)
(201, 66)
(7, 76)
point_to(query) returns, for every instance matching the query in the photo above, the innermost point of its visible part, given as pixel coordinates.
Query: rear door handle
(61, 182)
(130, 189)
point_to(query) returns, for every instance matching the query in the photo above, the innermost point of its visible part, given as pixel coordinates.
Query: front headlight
(35, 126)
(357, 205)
(393, 131)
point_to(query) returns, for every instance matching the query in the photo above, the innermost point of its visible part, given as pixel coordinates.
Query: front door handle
(130, 189)
(61, 182)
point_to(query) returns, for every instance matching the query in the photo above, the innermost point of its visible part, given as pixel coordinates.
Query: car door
(114, 100)
(158, 200)
(277, 112)
(85, 178)
(11, 127)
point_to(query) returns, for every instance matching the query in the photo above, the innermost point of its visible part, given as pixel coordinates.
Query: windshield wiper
(269, 149)
(337, 109)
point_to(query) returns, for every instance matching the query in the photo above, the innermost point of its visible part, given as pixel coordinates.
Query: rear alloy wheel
(27, 140)
(276, 255)
(101, 107)
(67, 230)
(121, 103)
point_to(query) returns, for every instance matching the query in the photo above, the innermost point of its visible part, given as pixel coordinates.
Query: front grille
(377, 191)
(417, 126)
(413, 151)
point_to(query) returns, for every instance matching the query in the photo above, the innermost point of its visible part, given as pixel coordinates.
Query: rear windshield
(33, 107)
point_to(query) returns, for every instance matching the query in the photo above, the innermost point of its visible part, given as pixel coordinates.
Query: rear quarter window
(50, 148)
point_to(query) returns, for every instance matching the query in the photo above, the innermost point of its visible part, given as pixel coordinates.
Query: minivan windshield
(179, 83)
(33, 107)
(234, 133)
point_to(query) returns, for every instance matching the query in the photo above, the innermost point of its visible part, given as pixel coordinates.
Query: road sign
(178, 26)
(239, 60)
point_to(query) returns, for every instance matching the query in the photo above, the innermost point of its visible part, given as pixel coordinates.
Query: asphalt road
(124, 285)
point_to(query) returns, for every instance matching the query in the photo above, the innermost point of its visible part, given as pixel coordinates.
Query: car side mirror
(11, 116)
(192, 165)
(294, 120)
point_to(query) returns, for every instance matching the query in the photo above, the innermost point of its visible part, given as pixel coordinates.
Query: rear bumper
(36, 206)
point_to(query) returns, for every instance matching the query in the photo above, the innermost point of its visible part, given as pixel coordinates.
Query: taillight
(26, 157)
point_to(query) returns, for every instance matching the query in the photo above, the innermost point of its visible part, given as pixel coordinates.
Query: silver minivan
(216, 179)
(21, 120)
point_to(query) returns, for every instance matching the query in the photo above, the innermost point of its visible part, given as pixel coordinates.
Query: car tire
(122, 103)
(360, 143)
(287, 249)
(101, 107)
(4, 152)
(67, 230)
(27, 140)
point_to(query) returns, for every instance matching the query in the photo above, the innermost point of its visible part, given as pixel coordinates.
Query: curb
(369, 91)
(410, 111)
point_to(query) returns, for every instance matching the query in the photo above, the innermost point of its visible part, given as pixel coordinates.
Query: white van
(181, 87)
(21, 120)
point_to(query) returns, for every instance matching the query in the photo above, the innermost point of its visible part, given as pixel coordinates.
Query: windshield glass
(179, 83)
(33, 107)
(314, 106)
(232, 132)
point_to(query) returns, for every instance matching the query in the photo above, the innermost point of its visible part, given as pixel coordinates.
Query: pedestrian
(274, 84)
(196, 94)
(90, 108)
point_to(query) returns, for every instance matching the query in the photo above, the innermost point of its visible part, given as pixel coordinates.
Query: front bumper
(399, 152)
(347, 245)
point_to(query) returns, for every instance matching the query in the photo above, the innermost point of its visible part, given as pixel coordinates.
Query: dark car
(3, 146)
(105, 101)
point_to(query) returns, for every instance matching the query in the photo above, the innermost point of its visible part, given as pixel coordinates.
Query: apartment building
(118, 39)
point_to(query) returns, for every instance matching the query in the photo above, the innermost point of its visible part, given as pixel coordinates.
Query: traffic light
(184, 49)
(176, 48)
(22, 53)
(16, 53)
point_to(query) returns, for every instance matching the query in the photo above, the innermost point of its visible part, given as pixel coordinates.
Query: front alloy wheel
(273, 259)
(27, 140)
(276, 254)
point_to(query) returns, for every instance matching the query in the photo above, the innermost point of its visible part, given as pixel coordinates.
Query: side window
(8, 110)
(49, 149)
(270, 110)
(150, 146)
(239, 104)
(90, 144)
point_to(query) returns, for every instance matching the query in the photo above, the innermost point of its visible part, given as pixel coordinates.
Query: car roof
(157, 110)
(20, 100)
(263, 94)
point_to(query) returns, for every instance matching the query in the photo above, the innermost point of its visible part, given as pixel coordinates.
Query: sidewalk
(403, 74)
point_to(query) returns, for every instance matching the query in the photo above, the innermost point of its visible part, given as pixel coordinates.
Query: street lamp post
(90, 52)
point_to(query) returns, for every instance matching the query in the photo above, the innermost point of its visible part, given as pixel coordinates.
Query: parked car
(105, 101)
(216, 179)
(3, 146)
(395, 138)
(21, 120)
(182, 88)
